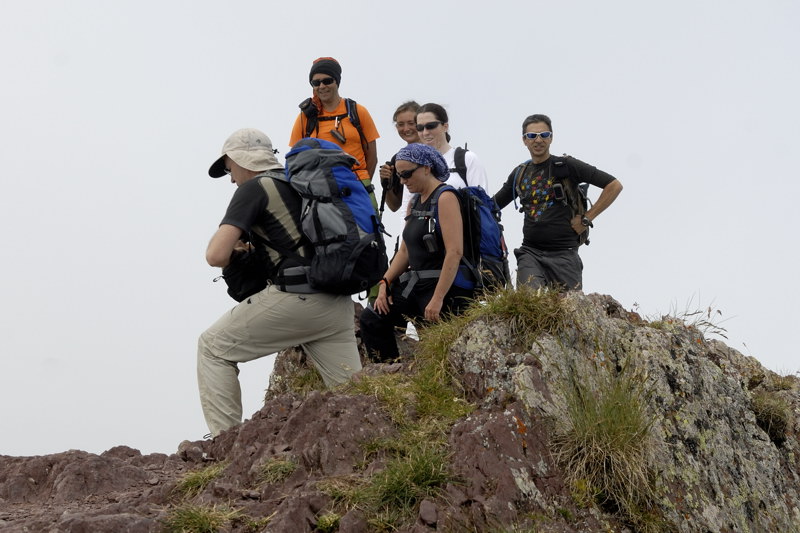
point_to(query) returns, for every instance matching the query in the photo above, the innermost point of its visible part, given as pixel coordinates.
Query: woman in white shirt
(433, 128)
(405, 120)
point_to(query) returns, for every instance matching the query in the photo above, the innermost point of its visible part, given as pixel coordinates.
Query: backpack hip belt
(295, 280)
(411, 278)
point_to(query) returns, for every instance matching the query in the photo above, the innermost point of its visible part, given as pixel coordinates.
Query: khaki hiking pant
(263, 324)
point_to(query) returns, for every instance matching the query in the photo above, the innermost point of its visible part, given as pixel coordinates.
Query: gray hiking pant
(265, 323)
(538, 268)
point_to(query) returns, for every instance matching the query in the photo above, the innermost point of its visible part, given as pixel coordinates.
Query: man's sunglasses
(429, 126)
(405, 174)
(543, 135)
(323, 81)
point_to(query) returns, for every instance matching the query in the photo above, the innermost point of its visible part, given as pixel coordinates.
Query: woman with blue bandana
(419, 282)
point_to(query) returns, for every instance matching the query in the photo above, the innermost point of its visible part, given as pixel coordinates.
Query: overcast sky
(113, 111)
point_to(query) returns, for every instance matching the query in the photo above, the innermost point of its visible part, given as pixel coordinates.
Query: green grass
(604, 450)
(423, 404)
(528, 312)
(277, 469)
(408, 479)
(389, 498)
(395, 392)
(254, 525)
(198, 519)
(306, 379)
(772, 415)
(328, 522)
(194, 482)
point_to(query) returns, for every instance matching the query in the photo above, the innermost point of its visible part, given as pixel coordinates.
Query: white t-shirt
(476, 175)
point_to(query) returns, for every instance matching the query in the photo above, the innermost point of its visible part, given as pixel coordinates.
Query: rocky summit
(535, 413)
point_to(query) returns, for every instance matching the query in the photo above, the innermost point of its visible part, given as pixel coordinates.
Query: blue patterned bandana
(424, 155)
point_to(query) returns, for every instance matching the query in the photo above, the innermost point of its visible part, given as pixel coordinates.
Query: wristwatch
(586, 222)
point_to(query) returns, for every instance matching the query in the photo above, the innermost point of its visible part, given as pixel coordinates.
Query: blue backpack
(339, 220)
(484, 264)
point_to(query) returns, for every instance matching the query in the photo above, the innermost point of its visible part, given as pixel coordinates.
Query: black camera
(307, 107)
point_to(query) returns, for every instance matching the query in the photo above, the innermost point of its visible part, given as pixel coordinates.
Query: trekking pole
(383, 203)
(383, 195)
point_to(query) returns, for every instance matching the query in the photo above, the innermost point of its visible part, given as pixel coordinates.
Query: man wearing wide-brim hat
(265, 210)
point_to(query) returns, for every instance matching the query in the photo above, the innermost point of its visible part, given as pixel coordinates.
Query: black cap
(326, 65)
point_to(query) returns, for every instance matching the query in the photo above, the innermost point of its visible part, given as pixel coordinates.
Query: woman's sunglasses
(405, 174)
(543, 135)
(323, 81)
(429, 125)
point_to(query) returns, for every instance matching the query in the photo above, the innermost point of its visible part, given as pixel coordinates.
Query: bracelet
(385, 282)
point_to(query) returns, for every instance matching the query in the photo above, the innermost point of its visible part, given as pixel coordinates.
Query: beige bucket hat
(250, 149)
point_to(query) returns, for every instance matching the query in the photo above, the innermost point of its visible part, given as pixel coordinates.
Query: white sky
(113, 111)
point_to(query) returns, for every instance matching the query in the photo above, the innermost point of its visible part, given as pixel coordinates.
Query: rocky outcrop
(716, 459)
(119, 490)
(717, 469)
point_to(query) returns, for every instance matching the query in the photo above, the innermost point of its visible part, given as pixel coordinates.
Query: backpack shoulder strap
(576, 192)
(352, 114)
(518, 174)
(312, 115)
(438, 192)
(432, 211)
(414, 210)
(460, 162)
(559, 167)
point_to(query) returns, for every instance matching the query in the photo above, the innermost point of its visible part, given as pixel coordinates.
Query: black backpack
(312, 119)
(566, 189)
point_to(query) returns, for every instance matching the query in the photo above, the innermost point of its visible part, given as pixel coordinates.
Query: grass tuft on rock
(194, 482)
(705, 321)
(772, 415)
(605, 448)
(528, 312)
(198, 519)
(407, 480)
(395, 392)
(390, 497)
(328, 522)
(277, 469)
(306, 379)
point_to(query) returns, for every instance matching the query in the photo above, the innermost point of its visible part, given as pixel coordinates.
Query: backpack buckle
(558, 192)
